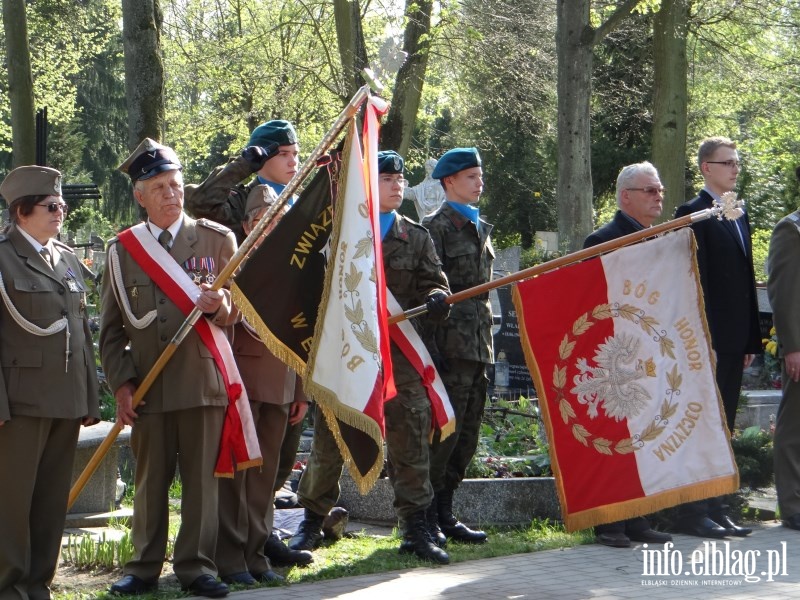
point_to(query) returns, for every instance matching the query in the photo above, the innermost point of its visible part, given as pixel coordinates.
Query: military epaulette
(63, 247)
(412, 222)
(213, 225)
(793, 217)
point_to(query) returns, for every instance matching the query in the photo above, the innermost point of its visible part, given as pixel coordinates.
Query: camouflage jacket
(222, 196)
(413, 272)
(467, 259)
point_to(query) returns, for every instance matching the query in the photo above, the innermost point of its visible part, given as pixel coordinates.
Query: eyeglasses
(54, 206)
(728, 163)
(392, 180)
(650, 190)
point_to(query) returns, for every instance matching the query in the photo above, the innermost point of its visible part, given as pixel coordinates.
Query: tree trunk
(399, 127)
(574, 186)
(20, 84)
(352, 47)
(670, 100)
(144, 71)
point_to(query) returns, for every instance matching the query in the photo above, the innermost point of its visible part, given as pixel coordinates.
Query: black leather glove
(438, 309)
(256, 156)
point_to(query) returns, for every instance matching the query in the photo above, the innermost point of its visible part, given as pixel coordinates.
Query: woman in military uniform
(48, 381)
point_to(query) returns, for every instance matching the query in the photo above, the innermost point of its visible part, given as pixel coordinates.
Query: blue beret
(390, 161)
(149, 159)
(278, 131)
(456, 160)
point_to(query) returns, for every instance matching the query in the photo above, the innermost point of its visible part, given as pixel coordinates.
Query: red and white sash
(239, 444)
(407, 339)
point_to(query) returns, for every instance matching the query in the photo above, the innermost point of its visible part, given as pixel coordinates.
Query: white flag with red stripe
(619, 350)
(349, 366)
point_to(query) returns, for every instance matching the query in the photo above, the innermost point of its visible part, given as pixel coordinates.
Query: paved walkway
(589, 572)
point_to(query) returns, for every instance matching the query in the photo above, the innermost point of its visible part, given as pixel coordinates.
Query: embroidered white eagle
(612, 382)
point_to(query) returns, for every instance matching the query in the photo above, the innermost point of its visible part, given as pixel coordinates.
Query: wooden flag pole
(227, 272)
(567, 259)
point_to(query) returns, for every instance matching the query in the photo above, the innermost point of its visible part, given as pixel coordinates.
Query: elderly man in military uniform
(180, 419)
(462, 344)
(48, 383)
(272, 154)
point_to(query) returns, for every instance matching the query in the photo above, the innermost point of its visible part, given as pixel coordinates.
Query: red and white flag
(349, 366)
(620, 354)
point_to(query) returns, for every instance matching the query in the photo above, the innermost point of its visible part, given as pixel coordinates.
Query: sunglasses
(55, 206)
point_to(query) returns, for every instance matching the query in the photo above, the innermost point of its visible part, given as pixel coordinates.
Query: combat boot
(432, 518)
(309, 533)
(453, 528)
(417, 540)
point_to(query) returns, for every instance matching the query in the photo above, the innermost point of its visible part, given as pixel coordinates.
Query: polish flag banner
(621, 357)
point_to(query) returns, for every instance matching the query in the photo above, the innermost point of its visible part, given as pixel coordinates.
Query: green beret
(149, 159)
(31, 180)
(277, 130)
(390, 161)
(456, 160)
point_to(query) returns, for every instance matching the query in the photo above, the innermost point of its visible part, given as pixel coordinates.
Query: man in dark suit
(725, 261)
(639, 201)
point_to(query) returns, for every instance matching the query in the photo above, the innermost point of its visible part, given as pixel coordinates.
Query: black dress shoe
(733, 529)
(208, 586)
(280, 555)
(703, 527)
(268, 576)
(243, 578)
(131, 585)
(458, 532)
(793, 522)
(650, 536)
(614, 539)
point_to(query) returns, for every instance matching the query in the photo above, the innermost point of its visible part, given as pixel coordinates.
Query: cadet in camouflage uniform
(272, 156)
(462, 345)
(414, 276)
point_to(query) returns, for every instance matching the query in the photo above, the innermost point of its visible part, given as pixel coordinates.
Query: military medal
(134, 292)
(72, 285)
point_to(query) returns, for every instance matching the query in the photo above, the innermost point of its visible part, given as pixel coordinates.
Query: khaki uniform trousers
(36, 456)
(188, 439)
(246, 506)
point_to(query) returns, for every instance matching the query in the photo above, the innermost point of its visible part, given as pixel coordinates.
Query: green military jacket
(222, 196)
(49, 376)
(190, 379)
(467, 259)
(413, 272)
(783, 285)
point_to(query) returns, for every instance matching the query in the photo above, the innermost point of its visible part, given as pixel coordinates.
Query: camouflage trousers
(319, 485)
(466, 384)
(408, 423)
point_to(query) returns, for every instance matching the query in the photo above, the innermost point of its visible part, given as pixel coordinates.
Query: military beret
(30, 180)
(261, 196)
(390, 161)
(149, 159)
(456, 160)
(273, 131)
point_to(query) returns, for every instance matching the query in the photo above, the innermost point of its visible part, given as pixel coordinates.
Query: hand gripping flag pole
(728, 208)
(241, 254)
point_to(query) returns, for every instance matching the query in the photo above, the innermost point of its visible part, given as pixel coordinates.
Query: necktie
(165, 239)
(46, 256)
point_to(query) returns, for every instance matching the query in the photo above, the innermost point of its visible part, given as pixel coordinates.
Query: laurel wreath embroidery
(674, 379)
(354, 312)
